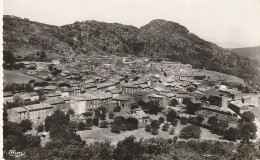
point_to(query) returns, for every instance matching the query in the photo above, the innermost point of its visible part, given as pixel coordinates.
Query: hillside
(158, 39)
(249, 52)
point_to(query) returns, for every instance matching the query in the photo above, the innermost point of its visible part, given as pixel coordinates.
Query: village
(123, 86)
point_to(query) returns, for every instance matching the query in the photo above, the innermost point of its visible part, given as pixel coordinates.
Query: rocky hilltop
(158, 39)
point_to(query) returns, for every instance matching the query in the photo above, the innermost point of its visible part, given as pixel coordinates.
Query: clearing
(17, 77)
(102, 134)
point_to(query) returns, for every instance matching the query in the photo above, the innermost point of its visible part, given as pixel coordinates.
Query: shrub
(190, 131)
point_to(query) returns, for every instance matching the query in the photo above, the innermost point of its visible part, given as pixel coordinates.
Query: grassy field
(17, 77)
(216, 75)
(99, 134)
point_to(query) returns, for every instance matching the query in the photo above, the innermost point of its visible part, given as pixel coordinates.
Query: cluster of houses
(111, 81)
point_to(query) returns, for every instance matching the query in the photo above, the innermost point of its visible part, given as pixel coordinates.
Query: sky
(228, 23)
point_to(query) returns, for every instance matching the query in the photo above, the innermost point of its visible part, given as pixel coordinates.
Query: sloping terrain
(249, 52)
(158, 39)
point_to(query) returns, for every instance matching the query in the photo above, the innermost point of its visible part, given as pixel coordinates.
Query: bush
(148, 128)
(183, 120)
(172, 131)
(117, 109)
(165, 127)
(81, 126)
(155, 131)
(190, 131)
(104, 124)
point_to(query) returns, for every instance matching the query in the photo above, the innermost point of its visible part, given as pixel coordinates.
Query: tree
(25, 125)
(134, 105)
(111, 115)
(11, 128)
(117, 109)
(8, 57)
(231, 134)
(199, 119)
(73, 126)
(213, 122)
(173, 102)
(171, 115)
(104, 124)
(131, 123)
(57, 132)
(161, 119)
(81, 126)
(215, 100)
(174, 122)
(247, 131)
(89, 123)
(248, 116)
(183, 120)
(128, 149)
(191, 107)
(223, 125)
(165, 127)
(40, 128)
(148, 128)
(155, 124)
(246, 151)
(58, 118)
(96, 121)
(155, 131)
(115, 129)
(172, 131)
(70, 112)
(190, 131)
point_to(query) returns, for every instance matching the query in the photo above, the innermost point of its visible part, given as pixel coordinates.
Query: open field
(216, 75)
(17, 77)
(100, 134)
